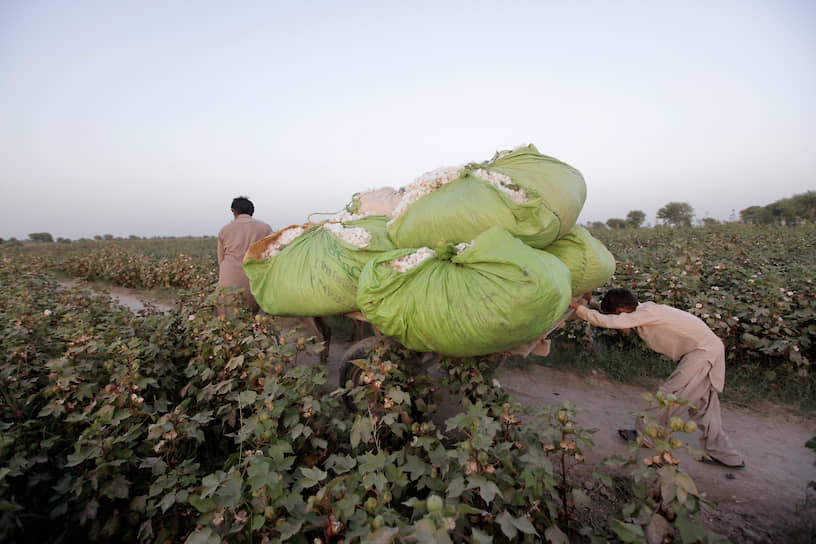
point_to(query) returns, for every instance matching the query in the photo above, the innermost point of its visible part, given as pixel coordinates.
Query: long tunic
(700, 371)
(233, 241)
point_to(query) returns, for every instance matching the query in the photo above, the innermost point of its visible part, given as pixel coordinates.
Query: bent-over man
(686, 340)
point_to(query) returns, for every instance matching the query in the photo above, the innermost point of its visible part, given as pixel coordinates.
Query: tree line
(787, 211)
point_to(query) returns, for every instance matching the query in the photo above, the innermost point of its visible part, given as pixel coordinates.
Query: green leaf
(235, 362)
(204, 535)
(167, 501)
(311, 476)
(479, 537)
(288, 529)
(628, 532)
(505, 521)
(487, 489)
(415, 466)
(690, 530)
(456, 487)
(229, 494)
(555, 535)
(523, 524)
(246, 397)
(580, 498)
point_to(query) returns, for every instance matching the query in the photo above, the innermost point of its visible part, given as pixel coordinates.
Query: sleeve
(611, 321)
(220, 250)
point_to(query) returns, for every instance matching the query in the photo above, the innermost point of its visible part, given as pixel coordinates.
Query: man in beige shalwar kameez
(698, 352)
(233, 241)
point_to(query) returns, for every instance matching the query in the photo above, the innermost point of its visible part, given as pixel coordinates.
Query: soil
(768, 501)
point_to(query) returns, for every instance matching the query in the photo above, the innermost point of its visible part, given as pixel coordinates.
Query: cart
(349, 371)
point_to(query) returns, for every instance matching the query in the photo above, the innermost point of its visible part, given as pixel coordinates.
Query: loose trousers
(690, 381)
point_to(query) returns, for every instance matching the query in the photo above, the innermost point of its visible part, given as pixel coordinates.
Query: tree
(787, 211)
(676, 214)
(597, 225)
(710, 222)
(41, 237)
(616, 223)
(635, 218)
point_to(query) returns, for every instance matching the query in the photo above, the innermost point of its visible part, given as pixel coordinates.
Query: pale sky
(147, 117)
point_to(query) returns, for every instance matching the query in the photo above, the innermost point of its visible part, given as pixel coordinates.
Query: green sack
(462, 209)
(591, 265)
(316, 274)
(494, 295)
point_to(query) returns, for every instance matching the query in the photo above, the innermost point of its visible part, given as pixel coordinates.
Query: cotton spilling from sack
(425, 184)
(536, 198)
(283, 239)
(346, 216)
(316, 273)
(464, 261)
(496, 294)
(410, 261)
(503, 182)
(463, 246)
(356, 236)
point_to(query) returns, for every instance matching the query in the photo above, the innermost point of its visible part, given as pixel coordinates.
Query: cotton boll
(403, 264)
(503, 182)
(356, 236)
(424, 184)
(463, 246)
(344, 217)
(285, 238)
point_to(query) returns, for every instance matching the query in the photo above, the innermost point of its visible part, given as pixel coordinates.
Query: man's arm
(220, 250)
(610, 321)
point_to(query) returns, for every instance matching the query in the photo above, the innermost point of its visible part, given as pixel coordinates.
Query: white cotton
(403, 264)
(356, 236)
(503, 182)
(284, 239)
(463, 246)
(424, 184)
(344, 217)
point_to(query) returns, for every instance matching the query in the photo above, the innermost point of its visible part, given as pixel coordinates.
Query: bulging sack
(536, 198)
(495, 294)
(312, 270)
(591, 265)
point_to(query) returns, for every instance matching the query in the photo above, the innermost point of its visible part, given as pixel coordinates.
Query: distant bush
(41, 237)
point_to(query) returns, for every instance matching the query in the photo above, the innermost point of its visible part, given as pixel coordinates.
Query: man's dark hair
(618, 298)
(243, 205)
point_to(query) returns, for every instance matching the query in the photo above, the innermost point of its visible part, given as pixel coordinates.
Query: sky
(147, 117)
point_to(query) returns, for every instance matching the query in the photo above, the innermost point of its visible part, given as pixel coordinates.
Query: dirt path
(759, 503)
(762, 503)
